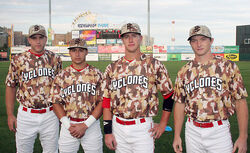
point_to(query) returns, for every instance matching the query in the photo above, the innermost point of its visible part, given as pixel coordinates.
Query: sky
(221, 16)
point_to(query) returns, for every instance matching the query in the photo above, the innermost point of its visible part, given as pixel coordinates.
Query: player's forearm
(179, 116)
(59, 111)
(97, 113)
(164, 118)
(10, 97)
(242, 117)
(107, 115)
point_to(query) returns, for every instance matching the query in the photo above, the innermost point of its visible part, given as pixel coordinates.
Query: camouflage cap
(199, 30)
(37, 29)
(130, 27)
(77, 43)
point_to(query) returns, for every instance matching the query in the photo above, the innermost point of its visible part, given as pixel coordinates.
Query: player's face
(132, 42)
(37, 43)
(78, 56)
(201, 45)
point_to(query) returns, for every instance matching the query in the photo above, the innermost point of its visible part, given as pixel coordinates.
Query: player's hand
(241, 145)
(157, 130)
(177, 144)
(12, 123)
(78, 130)
(110, 141)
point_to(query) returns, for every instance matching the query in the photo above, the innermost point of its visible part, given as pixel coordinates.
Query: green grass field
(162, 145)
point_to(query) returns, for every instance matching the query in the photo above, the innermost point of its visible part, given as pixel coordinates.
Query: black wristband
(107, 124)
(168, 104)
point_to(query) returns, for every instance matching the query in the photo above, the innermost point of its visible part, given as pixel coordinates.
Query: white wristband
(65, 121)
(90, 120)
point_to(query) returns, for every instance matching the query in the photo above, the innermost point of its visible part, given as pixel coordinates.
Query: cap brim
(77, 47)
(130, 32)
(197, 35)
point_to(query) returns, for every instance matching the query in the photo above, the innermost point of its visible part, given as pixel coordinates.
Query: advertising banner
(89, 36)
(116, 56)
(75, 34)
(111, 49)
(63, 50)
(159, 49)
(160, 57)
(174, 57)
(187, 57)
(217, 49)
(104, 57)
(231, 49)
(179, 49)
(111, 41)
(16, 50)
(146, 49)
(3, 54)
(222, 55)
(232, 57)
(101, 41)
(92, 49)
(54, 49)
(65, 56)
(92, 57)
(119, 41)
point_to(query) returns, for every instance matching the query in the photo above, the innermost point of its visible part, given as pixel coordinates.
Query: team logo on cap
(36, 28)
(196, 29)
(130, 27)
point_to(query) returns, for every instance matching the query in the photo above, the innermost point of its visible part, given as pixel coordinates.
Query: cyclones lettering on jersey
(131, 79)
(204, 82)
(38, 73)
(83, 87)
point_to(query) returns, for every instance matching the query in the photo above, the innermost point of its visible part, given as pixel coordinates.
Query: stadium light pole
(148, 41)
(50, 14)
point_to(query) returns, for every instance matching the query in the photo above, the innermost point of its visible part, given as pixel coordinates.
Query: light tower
(172, 33)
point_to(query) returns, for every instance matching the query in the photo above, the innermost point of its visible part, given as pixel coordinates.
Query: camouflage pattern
(78, 43)
(130, 27)
(33, 76)
(133, 86)
(199, 30)
(37, 29)
(209, 90)
(79, 92)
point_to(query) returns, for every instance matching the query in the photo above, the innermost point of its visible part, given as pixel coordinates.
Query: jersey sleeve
(179, 90)
(99, 90)
(236, 85)
(56, 94)
(106, 84)
(12, 76)
(164, 83)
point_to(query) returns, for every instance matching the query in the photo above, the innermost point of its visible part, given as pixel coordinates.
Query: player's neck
(204, 59)
(79, 66)
(131, 56)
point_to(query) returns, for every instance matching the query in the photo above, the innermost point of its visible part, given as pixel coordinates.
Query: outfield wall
(162, 53)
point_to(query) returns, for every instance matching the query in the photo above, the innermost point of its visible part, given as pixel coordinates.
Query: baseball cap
(199, 30)
(37, 29)
(130, 27)
(77, 43)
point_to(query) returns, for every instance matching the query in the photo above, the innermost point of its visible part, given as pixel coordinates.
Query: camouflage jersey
(79, 91)
(33, 76)
(209, 90)
(132, 86)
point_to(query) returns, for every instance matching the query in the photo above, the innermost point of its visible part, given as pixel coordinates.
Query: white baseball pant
(91, 141)
(30, 124)
(133, 138)
(208, 140)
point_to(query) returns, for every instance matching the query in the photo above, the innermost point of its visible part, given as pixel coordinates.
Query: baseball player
(29, 81)
(77, 100)
(130, 100)
(209, 90)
